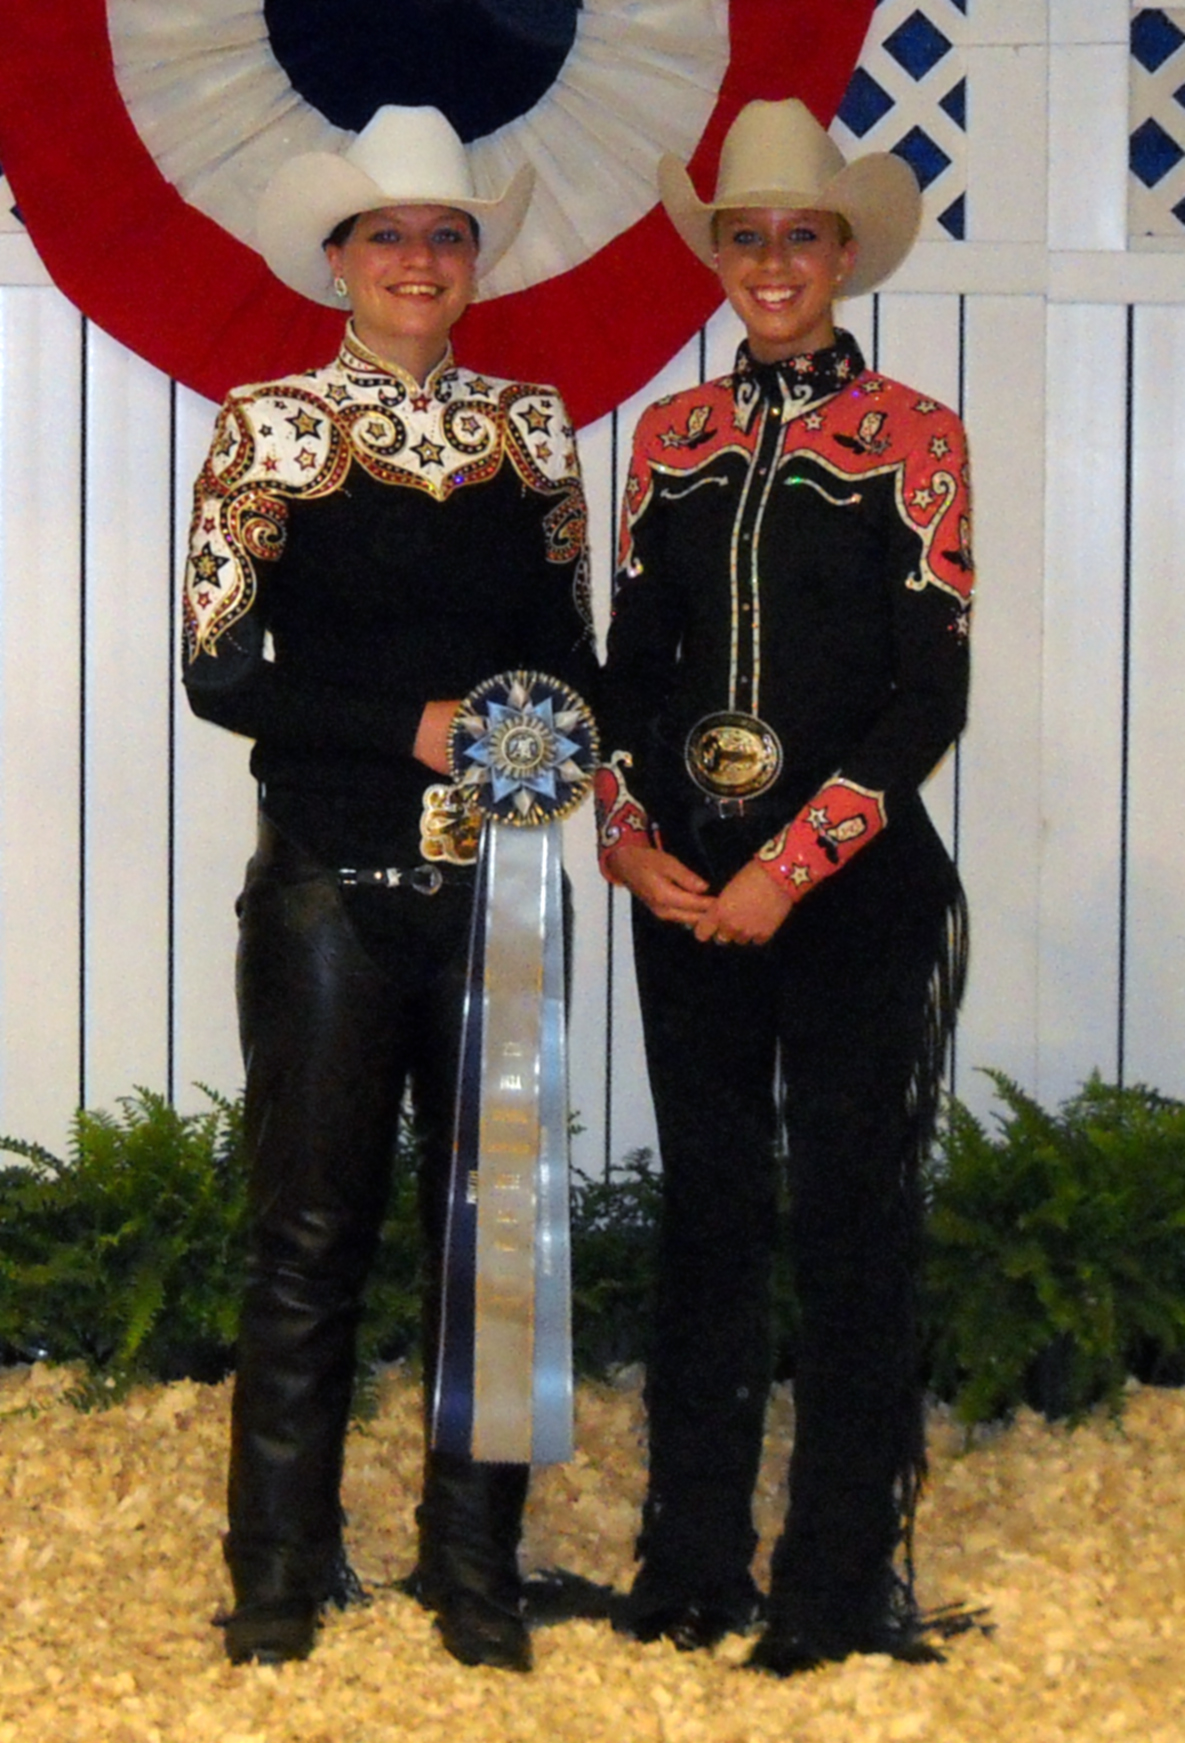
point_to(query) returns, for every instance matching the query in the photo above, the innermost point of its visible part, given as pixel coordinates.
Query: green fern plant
(1053, 1238)
(1056, 1239)
(126, 1254)
(614, 1255)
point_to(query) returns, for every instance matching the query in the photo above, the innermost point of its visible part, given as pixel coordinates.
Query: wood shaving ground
(109, 1538)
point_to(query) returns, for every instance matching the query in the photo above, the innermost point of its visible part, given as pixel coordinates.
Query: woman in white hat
(370, 541)
(788, 661)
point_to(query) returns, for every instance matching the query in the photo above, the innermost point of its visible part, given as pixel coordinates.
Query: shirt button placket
(763, 460)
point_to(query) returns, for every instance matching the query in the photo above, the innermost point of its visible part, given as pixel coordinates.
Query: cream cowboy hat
(777, 155)
(402, 157)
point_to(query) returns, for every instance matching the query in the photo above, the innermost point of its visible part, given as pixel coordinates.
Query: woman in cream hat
(370, 541)
(788, 661)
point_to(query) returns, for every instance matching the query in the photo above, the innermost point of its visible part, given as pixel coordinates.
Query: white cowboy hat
(402, 157)
(777, 155)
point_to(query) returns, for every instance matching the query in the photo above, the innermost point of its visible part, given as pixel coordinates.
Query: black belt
(425, 880)
(727, 807)
(279, 853)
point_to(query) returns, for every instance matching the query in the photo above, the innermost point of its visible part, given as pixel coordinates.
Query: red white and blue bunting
(136, 135)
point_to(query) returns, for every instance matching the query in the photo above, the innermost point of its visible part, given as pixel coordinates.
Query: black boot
(696, 1544)
(275, 1617)
(880, 1615)
(291, 1403)
(834, 1586)
(470, 1522)
(694, 1616)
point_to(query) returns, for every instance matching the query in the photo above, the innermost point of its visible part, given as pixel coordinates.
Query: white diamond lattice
(1156, 214)
(915, 103)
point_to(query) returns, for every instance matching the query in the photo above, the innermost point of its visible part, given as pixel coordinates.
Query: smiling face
(781, 271)
(410, 272)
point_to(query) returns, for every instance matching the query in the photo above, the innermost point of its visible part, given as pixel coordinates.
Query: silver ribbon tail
(504, 1383)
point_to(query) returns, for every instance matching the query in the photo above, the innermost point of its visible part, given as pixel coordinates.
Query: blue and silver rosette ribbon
(524, 745)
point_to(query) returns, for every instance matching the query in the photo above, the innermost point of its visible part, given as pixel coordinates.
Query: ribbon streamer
(504, 1380)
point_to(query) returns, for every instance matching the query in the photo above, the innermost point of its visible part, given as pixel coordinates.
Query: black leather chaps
(347, 999)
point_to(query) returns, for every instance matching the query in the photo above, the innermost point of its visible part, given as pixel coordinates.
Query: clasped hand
(748, 910)
(432, 735)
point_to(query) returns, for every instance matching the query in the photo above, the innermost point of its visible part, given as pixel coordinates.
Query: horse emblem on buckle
(733, 756)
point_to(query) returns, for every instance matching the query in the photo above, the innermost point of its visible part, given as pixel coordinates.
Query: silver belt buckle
(732, 757)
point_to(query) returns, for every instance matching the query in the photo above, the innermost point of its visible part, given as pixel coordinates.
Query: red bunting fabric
(180, 289)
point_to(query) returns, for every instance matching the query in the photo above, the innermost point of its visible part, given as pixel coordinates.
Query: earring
(340, 287)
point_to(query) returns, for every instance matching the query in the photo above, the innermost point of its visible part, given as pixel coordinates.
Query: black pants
(851, 1005)
(344, 1001)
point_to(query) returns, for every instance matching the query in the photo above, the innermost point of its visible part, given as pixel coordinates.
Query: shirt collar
(802, 380)
(358, 359)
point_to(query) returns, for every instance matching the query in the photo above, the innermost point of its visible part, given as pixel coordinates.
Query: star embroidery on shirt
(305, 424)
(939, 447)
(206, 564)
(375, 429)
(270, 463)
(843, 368)
(420, 402)
(817, 817)
(338, 392)
(800, 875)
(537, 419)
(876, 385)
(803, 364)
(203, 599)
(813, 421)
(226, 445)
(926, 406)
(306, 460)
(962, 625)
(428, 453)
(470, 425)
(922, 497)
(265, 429)
(209, 523)
(543, 451)
(479, 384)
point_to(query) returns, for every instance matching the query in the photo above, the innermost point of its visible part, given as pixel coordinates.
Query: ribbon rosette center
(521, 752)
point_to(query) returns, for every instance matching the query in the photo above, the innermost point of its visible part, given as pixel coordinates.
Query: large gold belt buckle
(450, 824)
(733, 756)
